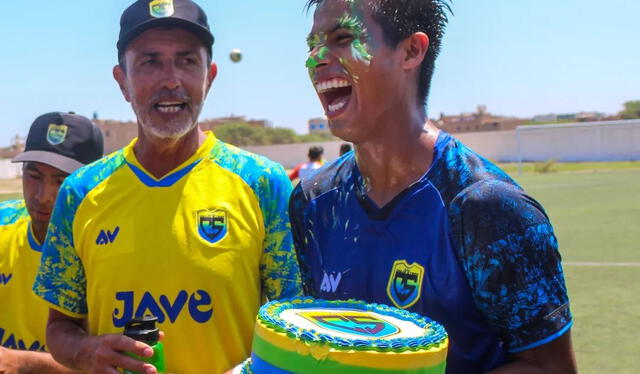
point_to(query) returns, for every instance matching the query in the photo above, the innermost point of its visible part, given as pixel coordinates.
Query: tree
(631, 110)
(241, 134)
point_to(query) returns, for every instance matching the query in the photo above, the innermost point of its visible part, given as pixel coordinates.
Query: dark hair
(344, 148)
(315, 152)
(401, 18)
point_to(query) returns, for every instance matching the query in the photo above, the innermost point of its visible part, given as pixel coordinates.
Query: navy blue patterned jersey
(464, 245)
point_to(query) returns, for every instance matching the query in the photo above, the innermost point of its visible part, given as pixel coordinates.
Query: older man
(177, 224)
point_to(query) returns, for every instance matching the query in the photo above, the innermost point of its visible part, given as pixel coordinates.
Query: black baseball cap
(65, 141)
(147, 14)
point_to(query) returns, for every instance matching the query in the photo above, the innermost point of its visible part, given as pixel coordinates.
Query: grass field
(595, 209)
(596, 214)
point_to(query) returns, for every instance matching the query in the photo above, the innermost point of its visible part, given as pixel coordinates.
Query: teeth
(331, 84)
(169, 109)
(337, 106)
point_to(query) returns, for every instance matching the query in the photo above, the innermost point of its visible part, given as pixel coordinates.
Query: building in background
(318, 125)
(481, 120)
(118, 134)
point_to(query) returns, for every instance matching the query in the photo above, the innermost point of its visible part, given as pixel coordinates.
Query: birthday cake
(307, 336)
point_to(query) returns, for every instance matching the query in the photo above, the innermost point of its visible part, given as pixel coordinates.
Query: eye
(344, 38)
(148, 62)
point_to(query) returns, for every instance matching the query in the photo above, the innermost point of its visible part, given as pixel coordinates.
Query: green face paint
(351, 21)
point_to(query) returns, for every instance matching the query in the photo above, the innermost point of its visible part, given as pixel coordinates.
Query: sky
(519, 58)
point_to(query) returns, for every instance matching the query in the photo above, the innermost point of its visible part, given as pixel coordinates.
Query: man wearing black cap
(57, 145)
(178, 224)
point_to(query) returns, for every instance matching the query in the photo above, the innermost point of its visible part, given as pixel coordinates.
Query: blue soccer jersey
(463, 245)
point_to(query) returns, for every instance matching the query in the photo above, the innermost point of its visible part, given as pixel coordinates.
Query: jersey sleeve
(279, 268)
(510, 256)
(60, 279)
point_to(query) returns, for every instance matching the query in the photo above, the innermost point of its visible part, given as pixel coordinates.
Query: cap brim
(205, 35)
(58, 161)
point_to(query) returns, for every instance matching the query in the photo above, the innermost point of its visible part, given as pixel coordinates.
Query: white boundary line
(618, 264)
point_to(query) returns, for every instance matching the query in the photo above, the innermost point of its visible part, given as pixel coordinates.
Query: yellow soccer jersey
(199, 249)
(23, 318)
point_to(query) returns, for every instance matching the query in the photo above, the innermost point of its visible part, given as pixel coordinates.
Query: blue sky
(517, 57)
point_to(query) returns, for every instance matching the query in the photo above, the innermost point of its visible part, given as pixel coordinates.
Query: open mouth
(170, 107)
(335, 94)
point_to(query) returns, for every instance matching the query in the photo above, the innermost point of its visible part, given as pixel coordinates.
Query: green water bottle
(144, 329)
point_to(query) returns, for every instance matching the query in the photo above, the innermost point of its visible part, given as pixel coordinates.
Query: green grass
(10, 196)
(596, 213)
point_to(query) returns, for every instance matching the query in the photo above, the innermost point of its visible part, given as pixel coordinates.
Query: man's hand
(26, 362)
(8, 364)
(71, 345)
(103, 354)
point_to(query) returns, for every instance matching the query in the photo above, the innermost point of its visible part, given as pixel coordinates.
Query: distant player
(57, 144)
(305, 168)
(413, 218)
(177, 224)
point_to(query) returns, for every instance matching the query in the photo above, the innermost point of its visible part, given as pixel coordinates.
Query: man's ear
(415, 49)
(120, 76)
(211, 75)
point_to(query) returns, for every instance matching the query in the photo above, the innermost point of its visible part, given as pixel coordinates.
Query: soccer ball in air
(235, 55)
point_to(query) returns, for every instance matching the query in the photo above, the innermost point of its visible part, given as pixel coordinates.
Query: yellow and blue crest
(161, 8)
(212, 224)
(405, 283)
(352, 322)
(56, 134)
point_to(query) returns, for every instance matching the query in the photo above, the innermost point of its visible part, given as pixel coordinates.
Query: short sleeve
(279, 266)
(60, 279)
(510, 256)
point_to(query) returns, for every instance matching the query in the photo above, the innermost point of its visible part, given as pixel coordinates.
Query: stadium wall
(577, 142)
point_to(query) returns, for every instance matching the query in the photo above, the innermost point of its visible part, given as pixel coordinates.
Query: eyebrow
(335, 28)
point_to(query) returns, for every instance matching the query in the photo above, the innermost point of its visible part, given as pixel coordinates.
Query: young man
(177, 224)
(413, 218)
(305, 168)
(57, 144)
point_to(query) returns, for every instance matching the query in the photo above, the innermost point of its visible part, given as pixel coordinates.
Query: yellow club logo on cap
(56, 133)
(161, 8)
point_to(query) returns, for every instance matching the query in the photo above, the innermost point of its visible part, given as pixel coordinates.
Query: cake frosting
(311, 336)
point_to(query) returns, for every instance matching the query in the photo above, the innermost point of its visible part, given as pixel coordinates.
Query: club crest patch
(56, 134)
(352, 322)
(405, 283)
(212, 224)
(161, 8)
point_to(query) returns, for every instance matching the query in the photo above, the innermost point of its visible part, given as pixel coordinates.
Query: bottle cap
(143, 329)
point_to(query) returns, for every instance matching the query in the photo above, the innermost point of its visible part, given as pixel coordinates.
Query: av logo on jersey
(352, 322)
(161, 8)
(56, 133)
(107, 237)
(212, 224)
(405, 283)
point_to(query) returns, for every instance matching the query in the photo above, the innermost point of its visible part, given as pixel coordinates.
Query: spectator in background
(315, 162)
(344, 148)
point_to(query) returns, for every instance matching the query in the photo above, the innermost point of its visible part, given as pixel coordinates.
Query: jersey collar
(33, 242)
(174, 175)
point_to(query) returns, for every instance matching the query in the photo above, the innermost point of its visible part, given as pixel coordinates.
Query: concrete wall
(595, 141)
(289, 155)
(9, 170)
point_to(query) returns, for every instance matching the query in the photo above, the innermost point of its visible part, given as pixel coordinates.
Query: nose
(318, 57)
(170, 77)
